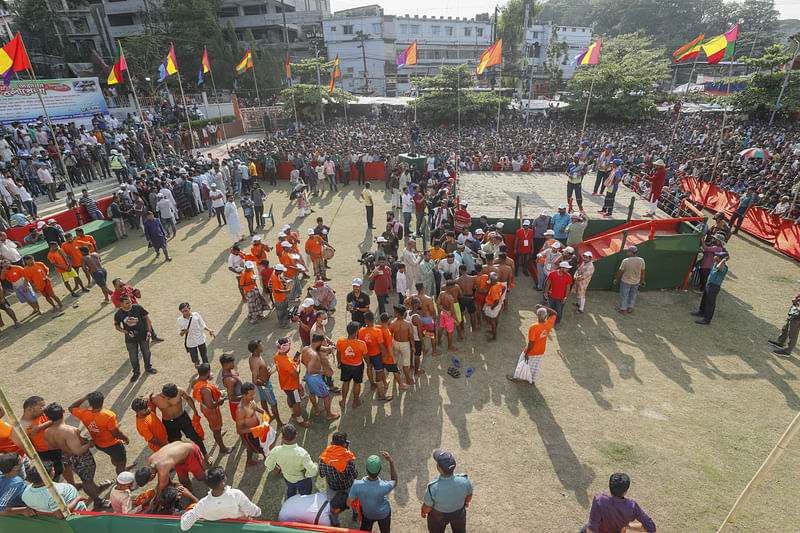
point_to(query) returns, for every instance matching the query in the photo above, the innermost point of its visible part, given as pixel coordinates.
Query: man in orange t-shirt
(376, 352)
(103, 428)
(61, 262)
(9, 440)
(148, 424)
(248, 285)
(210, 398)
(493, 304)
(314, 245)
(531, 356)
(289, 378)
(35, 423)
(351, 352)
(36, 273)
(15, 275)
(280, 295)
(72, 248)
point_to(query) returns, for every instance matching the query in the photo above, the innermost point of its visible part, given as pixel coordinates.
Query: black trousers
(577, 189)
(737, 217)
(272, 176)
(259, 209)
(384, 524)
(598, 181)
(220, 211)
(370, 213)
(183, 424)
(608, 204)
(708, 303)
(437, 521)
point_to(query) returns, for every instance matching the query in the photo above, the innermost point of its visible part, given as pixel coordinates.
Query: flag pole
(185, 105)
(724, 119)
(291, 85)
(255, 82)
(415, 99)
(499, 99)
(586, 112)
(49, 123)
(678, 118)
(219, 112)
(139, 108)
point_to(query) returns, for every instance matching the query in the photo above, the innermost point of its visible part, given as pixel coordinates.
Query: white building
(368, 43)
(538, 38)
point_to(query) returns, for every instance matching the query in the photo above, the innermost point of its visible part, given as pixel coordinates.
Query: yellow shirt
(367, 196)
(252, 170)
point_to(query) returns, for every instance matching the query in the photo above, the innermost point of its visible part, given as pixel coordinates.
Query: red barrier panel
(283, 170)
(762, 225)
(66, 219)
(788, 239)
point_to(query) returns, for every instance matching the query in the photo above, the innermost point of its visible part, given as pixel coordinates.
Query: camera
(294, 312)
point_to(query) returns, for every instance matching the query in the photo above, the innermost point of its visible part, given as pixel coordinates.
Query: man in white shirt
(222, 502)
(193, 328)
(9, 251)
(218, 204)
(407, 207)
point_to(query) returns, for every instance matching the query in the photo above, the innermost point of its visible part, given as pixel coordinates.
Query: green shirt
(575, 231)
(293, 460)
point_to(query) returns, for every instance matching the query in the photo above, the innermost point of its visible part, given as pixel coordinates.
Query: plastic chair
(269, 216)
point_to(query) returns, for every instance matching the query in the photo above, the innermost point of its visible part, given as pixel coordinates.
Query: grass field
(688, 411)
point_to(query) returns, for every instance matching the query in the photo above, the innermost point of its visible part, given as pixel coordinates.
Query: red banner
(788, 239)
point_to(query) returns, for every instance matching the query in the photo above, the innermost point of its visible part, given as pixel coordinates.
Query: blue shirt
(560, 223)
(447, 494)
(372, 496)
(11, 489)
(717, 275)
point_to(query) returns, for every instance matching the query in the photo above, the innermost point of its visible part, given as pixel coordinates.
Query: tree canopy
(306, 97)
(449, 94)
(628, 68)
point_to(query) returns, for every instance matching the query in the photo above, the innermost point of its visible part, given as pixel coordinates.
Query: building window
(228, 11)
(414, 29)
(258, 9)
(448, 30)
(573, 30)
(467, 32)
(479, 32)
(347, 29)
(121, 19)
(403, 28)
(436, 30)
(376, 28)
(536, 35)
(333, 29)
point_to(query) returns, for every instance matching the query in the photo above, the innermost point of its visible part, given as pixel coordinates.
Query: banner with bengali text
(68, 100)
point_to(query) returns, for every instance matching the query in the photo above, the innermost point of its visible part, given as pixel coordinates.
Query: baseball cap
(308, 302)
(286, 227)
(545, 213)
(357, 282)
(588, 253)
(51, 221)
(609, 146)
(499, 225)
(633, 249)
(281, 235)
(249, 264)
(280, 267)
(564, 264)
(125, 477)
(381, 239)
(318, 284)
(575, 214)
(585, 143)
(310, 231)
(577, 155)
(556, 245)
(286, 244)
(40, 224)
(256, 238)
(526, 222)
(722, 255)
(463, 203)
(479, 231)
(549, 232)
(569, 249)
(445, 461)
(373, 464)
(562, 206)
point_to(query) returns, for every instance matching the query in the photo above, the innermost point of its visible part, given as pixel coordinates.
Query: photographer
(357, 302)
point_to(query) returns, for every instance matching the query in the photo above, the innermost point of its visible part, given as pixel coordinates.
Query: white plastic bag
(523, 371)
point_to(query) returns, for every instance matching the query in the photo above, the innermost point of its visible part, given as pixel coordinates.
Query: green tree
(556, 57)
(306, 69)
(37, 27)
(628, 66)
(450, 94)
(510, 27)
(306, 98)
(761, 94)
(772, 58)
(141, 53)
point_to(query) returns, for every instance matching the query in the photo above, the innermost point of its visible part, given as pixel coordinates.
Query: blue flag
(200, 78)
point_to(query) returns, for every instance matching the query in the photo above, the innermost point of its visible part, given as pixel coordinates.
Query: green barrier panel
(417, 162)
(101, 230)
(39, 524)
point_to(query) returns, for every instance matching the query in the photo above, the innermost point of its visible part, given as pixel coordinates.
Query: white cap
(281, 235)
(562, 206)
(256, 238)
(479, 231)
(280, 266)
(40, 224)
(159, 195)
(324, 232)
(381, 239)
(213, 185)
(286, 244)
(564, 264)
(51, 221)
(499, 225)
(549, 232)
(463, 203)
(588, 253)
(125, 477)
(575, 214)
(357, 282)
(310, 231)
(286, 227)
(249, 264)
(545, 213)
(556, 245)
(308, 302)
(526, 222)
(569, 249)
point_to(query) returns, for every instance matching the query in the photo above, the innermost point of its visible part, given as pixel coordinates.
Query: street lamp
(314, 39)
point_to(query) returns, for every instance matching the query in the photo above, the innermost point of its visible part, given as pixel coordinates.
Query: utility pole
(796, 39)
(494, 25)
(522, 48)
(361, 37)
(285, 29)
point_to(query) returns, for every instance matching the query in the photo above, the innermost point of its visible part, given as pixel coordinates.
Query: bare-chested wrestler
(402, 346)
(176, 420)
(447, 317)
(91, 262)
(261, 373)
(414, 318)
(248, 416)
(183, 457)
(455, 291)
(468, 285)
(427, 313)
(314, 368)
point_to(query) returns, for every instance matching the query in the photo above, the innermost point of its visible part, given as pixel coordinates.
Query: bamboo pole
(766, 466)
(30, 451)
(499, 100)
(185, 108)
(255, 82)
(50, 125)
(678, 118)
(219, 112)
(586, 112)
(139, 109)
(415, 99)
(724, 120)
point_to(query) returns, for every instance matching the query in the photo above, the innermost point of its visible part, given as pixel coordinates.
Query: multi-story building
(368, 42)
(539, 37)
(98, 23)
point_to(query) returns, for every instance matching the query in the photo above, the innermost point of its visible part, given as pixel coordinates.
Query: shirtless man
(316, 385)
(91, 262)
(183, 457)
(176, 420)
(232, 382)
(414, 318)
(428, 314)
(454, 290)
(402, 346)
(248, 416)
(505, 275)
(35, 423)
(483, 286)
(324, 358)
(447, 317)
(75, 452)
(468, 285)
(261, 374)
